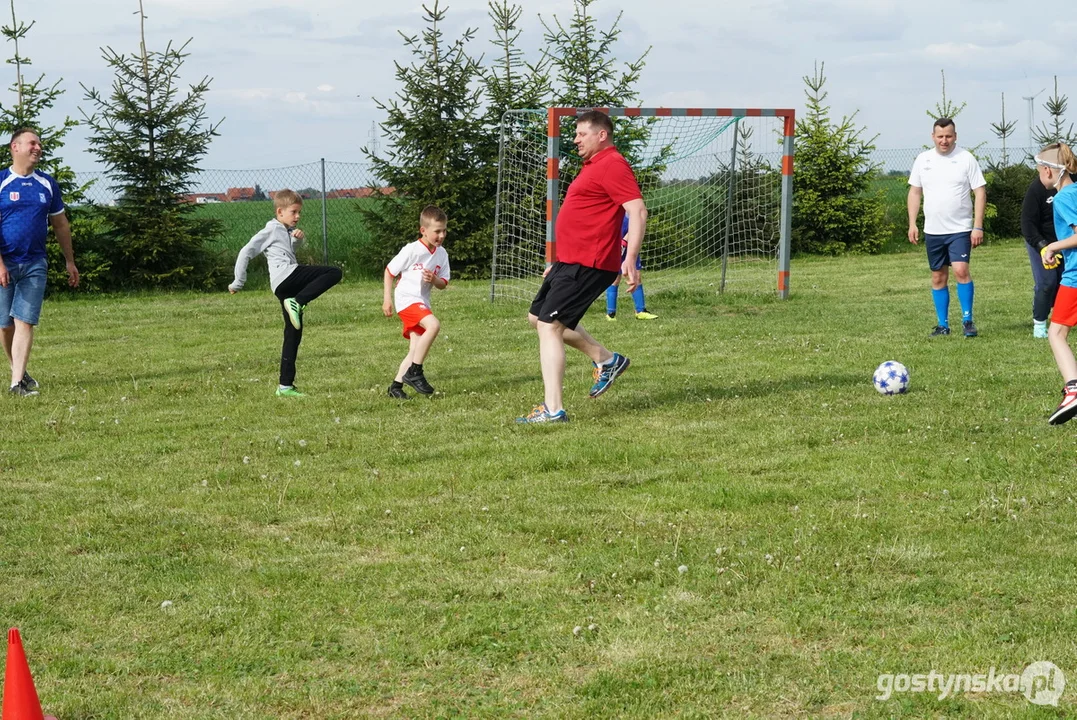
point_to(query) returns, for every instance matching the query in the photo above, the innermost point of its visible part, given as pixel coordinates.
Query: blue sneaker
(541, 415)
(605, 374)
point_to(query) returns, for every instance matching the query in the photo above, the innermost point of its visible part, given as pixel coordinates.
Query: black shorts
(567, 292)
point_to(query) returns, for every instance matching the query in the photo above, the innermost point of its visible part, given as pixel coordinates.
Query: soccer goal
(718, 184)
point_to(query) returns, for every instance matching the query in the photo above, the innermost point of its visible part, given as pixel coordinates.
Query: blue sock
(942, 305)
(964, 296)
(611, 299)
(637, 298)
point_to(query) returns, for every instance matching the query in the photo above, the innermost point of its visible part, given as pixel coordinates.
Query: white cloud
(325, 87)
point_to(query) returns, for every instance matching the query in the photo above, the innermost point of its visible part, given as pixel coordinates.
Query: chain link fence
(242, 201)
(334, 191)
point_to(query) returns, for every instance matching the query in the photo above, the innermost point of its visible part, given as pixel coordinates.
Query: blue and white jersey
(26, 203)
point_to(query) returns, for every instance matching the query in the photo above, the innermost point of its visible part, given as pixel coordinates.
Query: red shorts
(1065, 310)
(411, 315)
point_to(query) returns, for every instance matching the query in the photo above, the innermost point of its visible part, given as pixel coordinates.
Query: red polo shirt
(588, 230)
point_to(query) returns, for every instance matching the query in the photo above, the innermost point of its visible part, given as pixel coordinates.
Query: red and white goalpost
(718, 184)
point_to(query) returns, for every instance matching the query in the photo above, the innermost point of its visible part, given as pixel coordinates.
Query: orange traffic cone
(20, 697)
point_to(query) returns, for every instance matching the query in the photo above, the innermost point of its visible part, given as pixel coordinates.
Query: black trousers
(304, 284)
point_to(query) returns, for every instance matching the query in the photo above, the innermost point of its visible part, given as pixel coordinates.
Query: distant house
(203, 198)
(340, 193)
(239, 194)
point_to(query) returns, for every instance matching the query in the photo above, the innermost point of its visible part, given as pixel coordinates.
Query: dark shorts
(567, 292)
(945, 250)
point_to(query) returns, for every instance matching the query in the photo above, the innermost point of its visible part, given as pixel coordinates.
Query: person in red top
(588, 260)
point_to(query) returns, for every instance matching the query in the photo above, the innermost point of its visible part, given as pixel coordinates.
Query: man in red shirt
(588, 259)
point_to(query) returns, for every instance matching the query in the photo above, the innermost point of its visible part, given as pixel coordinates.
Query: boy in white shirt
(420, 265)
(294, 285)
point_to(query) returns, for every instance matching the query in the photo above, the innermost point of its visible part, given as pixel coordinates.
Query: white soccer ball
(891, 378)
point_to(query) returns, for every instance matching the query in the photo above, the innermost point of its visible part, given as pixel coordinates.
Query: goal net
(717, 184)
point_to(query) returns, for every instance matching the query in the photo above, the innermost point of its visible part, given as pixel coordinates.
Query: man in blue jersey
(29, 203)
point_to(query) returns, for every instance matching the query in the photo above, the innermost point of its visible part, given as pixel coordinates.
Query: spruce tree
(511, 82)
(439, 153)
(1003, 130)
(1055, 129)
(834, 210)
(1006, 184)
(588, 75)
(150, 135)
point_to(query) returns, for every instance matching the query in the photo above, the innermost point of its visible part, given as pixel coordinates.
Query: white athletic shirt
(276, 241)
(409, 264)
(947, 181)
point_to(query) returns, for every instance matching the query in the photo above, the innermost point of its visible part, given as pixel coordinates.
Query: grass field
(742, 527)
(240, 220)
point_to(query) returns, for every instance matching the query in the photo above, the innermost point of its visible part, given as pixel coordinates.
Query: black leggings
(304, 284)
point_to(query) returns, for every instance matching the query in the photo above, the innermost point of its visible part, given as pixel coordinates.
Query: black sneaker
(969, 328)
(21, 390)
(397, 393)
(940, 330)
(418, 383)
(29, 382)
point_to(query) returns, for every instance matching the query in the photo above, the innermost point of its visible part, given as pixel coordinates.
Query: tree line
(150, 134)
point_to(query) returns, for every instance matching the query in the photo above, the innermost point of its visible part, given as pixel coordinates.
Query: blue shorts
(624, 254)
(25, 292)
(945, 250)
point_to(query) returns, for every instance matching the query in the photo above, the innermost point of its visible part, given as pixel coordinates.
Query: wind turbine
(1031, 108)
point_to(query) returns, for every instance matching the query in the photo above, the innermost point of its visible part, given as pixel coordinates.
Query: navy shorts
(943, 250)
(25, 291)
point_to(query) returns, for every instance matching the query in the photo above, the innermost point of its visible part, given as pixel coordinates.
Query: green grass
(347, 556)
(240, 220)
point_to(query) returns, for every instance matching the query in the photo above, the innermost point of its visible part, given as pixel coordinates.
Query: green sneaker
(295, 313)
(289, 391)
(644, 315)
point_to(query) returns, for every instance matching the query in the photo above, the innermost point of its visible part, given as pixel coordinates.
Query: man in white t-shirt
(420, 265)
(944, 177)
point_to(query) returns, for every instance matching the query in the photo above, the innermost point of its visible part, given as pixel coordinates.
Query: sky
(299, 80)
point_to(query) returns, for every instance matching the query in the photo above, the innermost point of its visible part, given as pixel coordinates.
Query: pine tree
(1055, 129)
(947, 108)
(511, 82)
(1003, 130)
(834, 210)
(1006, 184)
(439, 153)
(34, 99)
(588, 76)
(150, 137)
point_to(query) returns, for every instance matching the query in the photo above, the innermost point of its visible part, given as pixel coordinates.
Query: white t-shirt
(409, 264)
(947, 181)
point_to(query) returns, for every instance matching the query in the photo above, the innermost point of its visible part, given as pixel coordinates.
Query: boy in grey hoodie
(294, 285)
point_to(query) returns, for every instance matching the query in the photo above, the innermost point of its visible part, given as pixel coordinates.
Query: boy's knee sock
(611, 299)
(941, 298)
(964, 296)
(637, 298)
